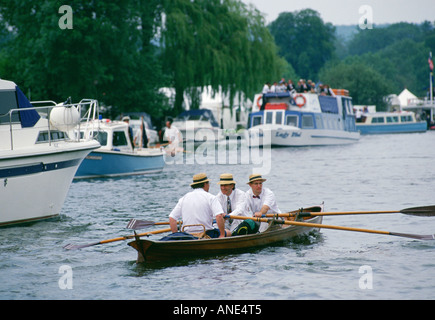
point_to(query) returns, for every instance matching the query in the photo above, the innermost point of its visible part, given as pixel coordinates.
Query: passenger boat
(198, 126)
(287, 119)
(116, 156)
(390, 122)
(39, 155)
(159, 251)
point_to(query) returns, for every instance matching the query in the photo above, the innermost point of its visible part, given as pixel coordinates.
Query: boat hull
(159, 251)
(392, 128)
(106, 163)
(34, 186)
(295, 137)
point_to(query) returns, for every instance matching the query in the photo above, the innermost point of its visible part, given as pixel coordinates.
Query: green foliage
(106, 55)
(399, 52)
(365, 85)
(121, 52)
(218, 43)
(304, 40)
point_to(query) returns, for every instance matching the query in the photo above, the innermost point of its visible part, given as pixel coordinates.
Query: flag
(430, 62)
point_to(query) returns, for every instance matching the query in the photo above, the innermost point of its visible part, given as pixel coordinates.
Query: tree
(106, 55)
(222, 43)
(304, 40)
(365, 85)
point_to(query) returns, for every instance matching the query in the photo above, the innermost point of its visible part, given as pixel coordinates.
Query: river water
(388, 172)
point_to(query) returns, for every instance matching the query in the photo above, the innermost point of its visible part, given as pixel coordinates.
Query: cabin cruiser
(118, 156)
(289, 119)
(39, 153)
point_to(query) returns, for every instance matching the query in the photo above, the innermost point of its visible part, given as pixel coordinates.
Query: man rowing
(232, 200)
(197, 209)
(261, 200)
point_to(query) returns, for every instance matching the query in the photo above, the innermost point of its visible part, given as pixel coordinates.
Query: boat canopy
(199, 114)
(11, 97)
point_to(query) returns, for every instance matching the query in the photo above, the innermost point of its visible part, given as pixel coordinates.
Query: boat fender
(300, 104)
(64, 118)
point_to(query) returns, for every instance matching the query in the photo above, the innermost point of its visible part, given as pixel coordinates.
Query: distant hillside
(346, 32)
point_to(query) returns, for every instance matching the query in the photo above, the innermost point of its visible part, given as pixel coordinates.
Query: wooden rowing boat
(157, 251)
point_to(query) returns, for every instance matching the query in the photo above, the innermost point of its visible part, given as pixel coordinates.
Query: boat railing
(87, 110)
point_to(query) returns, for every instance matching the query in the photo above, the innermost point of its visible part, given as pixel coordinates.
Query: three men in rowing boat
(198, 208)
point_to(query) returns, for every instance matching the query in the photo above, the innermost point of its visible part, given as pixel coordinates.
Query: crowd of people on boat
(302, 86)
(206, 215)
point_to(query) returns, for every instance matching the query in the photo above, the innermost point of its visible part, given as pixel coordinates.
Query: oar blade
(426, 211)
(135, 224)
(414, 236)
(71, 246)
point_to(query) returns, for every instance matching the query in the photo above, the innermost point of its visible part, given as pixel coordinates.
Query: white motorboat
(116, 156)
(306, 119)
(198, 126)
(39, 154)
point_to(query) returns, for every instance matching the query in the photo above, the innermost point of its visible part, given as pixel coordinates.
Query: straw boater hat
(226, 178)
(255, 177)
(199, 178)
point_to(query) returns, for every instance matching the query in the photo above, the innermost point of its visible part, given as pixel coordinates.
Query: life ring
(258, 101)
(301, 104)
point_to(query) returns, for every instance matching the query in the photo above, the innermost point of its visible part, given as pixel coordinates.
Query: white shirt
(172, 134)
(267, 197)
(197, 207)
(265, 89)
(239, 207)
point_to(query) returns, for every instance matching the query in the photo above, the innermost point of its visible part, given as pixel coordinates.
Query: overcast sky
(346, 12)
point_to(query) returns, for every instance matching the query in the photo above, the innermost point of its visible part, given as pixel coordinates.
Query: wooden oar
(426, 211)
(73, 247)
(135, 224)
(317, 225)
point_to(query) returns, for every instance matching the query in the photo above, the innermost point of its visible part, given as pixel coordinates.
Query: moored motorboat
(38, 154)
(288, 119)
(116, 156)
(198, 126)
(159, 251)
(390, 122)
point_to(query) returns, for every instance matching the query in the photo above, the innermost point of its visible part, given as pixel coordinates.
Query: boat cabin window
(291, 121)
(119, 139)
(102, 138)
(54, 136)
(319, 122)
(378, 120)
(8, 101)
(278, 117)
(392, 119)
(269, 117)
(256, 121)
(307, 121)
(407, 118)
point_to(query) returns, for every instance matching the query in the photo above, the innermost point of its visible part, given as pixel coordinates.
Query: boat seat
(199, 235)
